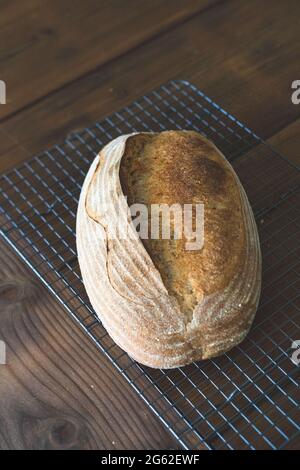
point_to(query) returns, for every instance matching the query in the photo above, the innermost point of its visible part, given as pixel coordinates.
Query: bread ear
(127, 290)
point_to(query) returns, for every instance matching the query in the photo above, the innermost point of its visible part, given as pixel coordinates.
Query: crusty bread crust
(182, 167)
(164, 305)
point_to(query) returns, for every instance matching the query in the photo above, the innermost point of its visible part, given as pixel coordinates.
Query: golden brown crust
(209, 304)
(183, 167)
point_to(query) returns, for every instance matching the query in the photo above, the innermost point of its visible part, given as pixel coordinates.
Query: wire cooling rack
(246, 399)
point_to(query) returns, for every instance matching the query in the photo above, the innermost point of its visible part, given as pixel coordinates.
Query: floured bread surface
(165, 305)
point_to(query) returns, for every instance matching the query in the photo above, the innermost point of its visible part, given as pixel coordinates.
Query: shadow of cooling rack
(248, 398)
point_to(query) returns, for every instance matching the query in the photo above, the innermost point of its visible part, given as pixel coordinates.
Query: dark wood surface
(66, 64)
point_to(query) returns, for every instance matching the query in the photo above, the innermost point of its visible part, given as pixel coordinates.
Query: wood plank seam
(161, 33)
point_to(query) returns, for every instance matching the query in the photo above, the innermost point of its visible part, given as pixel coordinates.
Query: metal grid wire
(246, 399)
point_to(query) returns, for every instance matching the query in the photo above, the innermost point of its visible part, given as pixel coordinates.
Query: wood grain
(287, 142)
(67, 64)
(57, 390)
(249, 73)
(75, 37)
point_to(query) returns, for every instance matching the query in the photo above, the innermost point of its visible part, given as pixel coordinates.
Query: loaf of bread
(162, 303)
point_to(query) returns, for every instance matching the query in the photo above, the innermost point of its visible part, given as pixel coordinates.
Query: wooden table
(66, 64)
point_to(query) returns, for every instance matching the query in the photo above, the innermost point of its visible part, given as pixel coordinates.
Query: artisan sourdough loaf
(162, 303)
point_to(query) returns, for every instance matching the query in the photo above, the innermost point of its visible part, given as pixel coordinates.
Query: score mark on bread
(165, 305)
